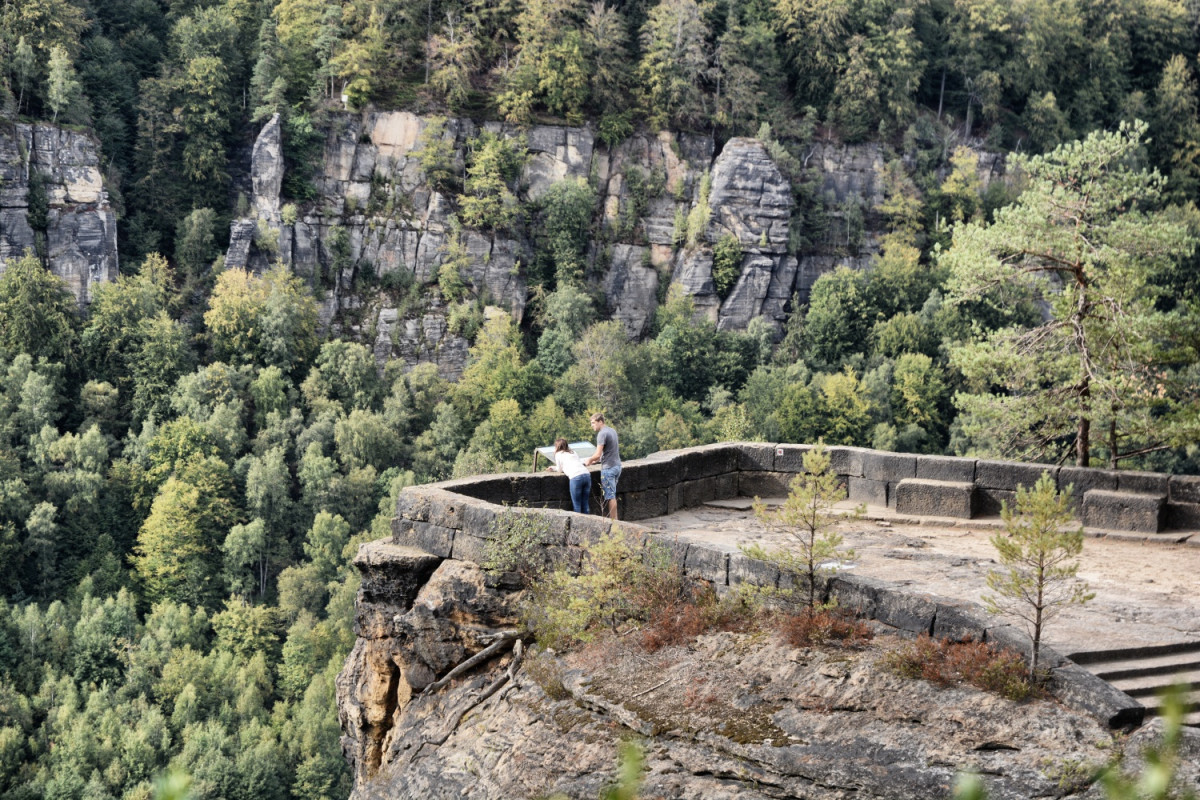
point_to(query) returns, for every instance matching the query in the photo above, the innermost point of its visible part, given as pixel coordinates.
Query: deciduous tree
(176, 556)
(37, 312)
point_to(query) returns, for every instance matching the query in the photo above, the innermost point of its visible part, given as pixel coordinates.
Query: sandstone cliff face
(80, 225)
(725, 716)
(378, 215)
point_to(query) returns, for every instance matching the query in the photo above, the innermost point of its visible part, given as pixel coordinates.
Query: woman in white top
(569, 464)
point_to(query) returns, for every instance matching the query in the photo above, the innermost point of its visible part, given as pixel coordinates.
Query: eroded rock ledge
(727, 716)
(730, 716)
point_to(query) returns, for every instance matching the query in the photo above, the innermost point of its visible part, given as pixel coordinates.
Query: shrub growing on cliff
(828, 626)
(436, 156)
(495, 163)
(697, 611)
(1040, 577)
(949, 663)
(698, 217)
(727, 264)
(518, 545)
(615, 584)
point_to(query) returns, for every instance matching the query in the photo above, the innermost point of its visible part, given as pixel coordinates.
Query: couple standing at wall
(608, 454)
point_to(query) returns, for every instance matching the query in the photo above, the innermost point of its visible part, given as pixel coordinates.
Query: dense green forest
(187, 467)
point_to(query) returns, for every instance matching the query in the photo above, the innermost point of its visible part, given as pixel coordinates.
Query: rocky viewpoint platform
(729, 715)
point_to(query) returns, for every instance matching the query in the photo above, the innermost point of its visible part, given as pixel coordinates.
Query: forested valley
(188, 463)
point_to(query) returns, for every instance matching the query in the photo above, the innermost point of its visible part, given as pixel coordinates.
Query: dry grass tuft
(949, 663)
(828, 626)
(682, 621)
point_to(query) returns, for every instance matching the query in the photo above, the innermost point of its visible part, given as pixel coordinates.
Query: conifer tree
(1086, 238)
(1040, 577)
(807, 520)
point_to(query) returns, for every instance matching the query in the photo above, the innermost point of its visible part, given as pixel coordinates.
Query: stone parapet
(1123, 511)
(919, 485)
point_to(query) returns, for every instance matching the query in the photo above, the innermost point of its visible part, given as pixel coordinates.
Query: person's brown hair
(597, 417)
(561, 444)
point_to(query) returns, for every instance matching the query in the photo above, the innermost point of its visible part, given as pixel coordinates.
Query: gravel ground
(1147, 591)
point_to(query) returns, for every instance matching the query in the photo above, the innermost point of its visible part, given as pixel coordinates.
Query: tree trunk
(1112, 443)
(1084, 428)
(941, 95)
(428, 34)
(1037, 625)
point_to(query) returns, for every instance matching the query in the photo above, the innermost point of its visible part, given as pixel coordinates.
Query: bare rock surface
(80, 225)
(631, 288)
(730, 716)
(267, 169)
(727, 715)
(750, 197)
(378, 221)
(416, 617)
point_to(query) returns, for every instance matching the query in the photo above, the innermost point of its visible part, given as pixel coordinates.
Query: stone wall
(454, 520)
(910, 484)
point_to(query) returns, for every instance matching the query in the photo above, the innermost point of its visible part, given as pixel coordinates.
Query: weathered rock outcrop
(417, 617)
(62, 168)
(725, 716)
(378, 218)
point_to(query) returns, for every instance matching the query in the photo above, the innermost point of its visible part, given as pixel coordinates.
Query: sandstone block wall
(668, 481)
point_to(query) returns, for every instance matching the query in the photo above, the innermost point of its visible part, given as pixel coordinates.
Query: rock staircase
(1144, 672)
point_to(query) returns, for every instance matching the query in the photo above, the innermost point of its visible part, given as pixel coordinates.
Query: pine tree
(1085, 239)
(807, 520)
(1040, 578)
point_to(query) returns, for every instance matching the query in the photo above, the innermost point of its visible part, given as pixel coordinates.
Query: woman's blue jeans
(581, 487)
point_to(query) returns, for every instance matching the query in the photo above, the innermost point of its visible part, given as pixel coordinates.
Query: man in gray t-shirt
(608, 453)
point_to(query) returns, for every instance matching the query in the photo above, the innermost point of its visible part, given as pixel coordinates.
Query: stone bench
(922, 497)
(1123, 511)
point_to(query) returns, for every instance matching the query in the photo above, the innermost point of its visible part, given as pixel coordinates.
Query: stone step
(1148, 686)
(1191, 717)
(1172, 663)
(1089, 657)
(1144, 672)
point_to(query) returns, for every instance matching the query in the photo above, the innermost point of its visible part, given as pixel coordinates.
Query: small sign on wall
(778, 451)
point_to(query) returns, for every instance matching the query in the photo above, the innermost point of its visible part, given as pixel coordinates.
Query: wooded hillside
(187, 463)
